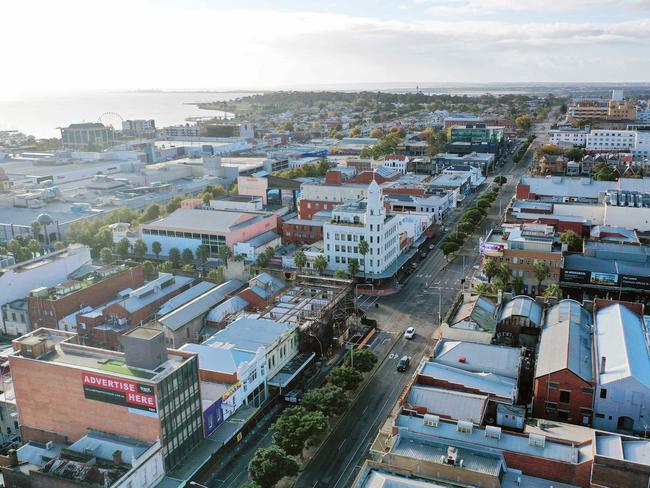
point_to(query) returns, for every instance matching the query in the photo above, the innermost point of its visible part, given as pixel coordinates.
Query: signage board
(119, 392)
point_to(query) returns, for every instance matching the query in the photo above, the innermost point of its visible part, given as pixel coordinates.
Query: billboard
(119, 392)
(486, 247)
(605, 279)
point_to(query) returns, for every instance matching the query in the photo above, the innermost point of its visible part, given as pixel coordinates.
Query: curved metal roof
(567, 310)
(523, 306)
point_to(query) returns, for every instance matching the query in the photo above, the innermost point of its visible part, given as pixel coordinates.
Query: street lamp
(320, 344)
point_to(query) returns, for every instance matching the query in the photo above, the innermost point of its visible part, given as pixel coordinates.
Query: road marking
(364, 410)
(341, 444)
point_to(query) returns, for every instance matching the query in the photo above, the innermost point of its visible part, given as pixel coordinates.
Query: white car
(409, 333)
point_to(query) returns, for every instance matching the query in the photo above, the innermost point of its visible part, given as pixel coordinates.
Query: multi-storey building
(568, 135)
(358, 221)
(521, 246)
(148, 392)
(139, 128)
(79, 136)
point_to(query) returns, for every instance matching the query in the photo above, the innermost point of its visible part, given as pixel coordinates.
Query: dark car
(403, 364)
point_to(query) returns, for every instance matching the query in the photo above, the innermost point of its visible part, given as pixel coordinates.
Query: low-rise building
(620, 461)
(302, 231)
(568, 136)
(622, 368)
(476, 177)
(564, 376)
(252, 248)
(484, 161)
(520, 322)
(189, 228)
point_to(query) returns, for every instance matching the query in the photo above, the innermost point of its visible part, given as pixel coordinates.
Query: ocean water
(41, 115)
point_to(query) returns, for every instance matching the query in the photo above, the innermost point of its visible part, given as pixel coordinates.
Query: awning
(290, 370)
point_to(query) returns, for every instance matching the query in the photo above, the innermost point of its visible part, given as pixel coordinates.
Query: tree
(466, 227)
(152, 212)
(149, 270)
(166, 267)
(517, 285)
(472, 215)
(448, 248)
(156, 248)
(483, 289)
(364, 360)
(330, 400)
(553, 291)
(174, 204)
(340, 273)
(123, 247)
(500, 180)
(572, 240)
(523, 122)
(187, 256)
(216, 275)
(563, 108)
(263, 260)
(34, 247)
(320, 264)
(503, 273)
(541, 272)
(296, 427)
(225, 254)
(482, 204)
(574, 154)
(270, 465)
(355, 132)
(58, 245)
(36, 229)
(106, 255)
(174, 256)
(364, 247)
(490, 268)
(604, 172)
(376, 133)
(346, 378)
(353, 267)
(498, 284)
(300, 259)
(140, 248)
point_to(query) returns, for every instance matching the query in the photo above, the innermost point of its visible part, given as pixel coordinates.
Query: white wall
(625, 397)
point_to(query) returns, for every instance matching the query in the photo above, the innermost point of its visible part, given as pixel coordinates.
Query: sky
(69, 45)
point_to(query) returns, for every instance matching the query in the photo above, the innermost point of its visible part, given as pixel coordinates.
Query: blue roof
(219, 358)
(249, 333)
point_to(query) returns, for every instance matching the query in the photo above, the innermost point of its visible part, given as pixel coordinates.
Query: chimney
(602, 363)
(13, 457)
(117, 457)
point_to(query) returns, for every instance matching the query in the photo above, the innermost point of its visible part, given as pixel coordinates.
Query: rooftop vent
(464, 427)
(431, 420)
(493, 432)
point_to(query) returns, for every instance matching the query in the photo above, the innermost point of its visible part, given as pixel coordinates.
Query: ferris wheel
(111, 118)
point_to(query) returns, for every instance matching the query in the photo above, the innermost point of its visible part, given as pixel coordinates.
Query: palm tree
(353, 267)
(36, 229)
(140, 248)
(490, 268)
(224, 254)
(553, 291)
(320, 263)
(363, 250)
(300, 259)
(541, 272)
(34, 247)
(156, 248)
(517, 285)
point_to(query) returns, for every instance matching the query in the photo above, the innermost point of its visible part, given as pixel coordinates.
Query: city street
(424, 297)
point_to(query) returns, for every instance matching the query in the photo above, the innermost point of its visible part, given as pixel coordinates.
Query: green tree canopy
(363, 360)
(490, 268)
(572, 240)
(553, 291)
(174, 256)
(346, 378)
(140, 248)
(156, 248)
(320, 264)
(541, 271)
(500, 180)
(340, 273)
(353, 267)
(187, 256)
(122, 247)
(330, 399)
(270, 465)
(300, 259)
(106, 255)
(296, 427)
(150, 272)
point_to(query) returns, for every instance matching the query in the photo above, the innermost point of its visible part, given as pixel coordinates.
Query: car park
(409, 333)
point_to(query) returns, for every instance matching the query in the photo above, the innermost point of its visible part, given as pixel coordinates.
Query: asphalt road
(427, 294)
(423, 298)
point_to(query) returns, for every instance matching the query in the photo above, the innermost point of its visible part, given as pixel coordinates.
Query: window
(588, 391)
(553, 384)
(563, 415)
(550, 405)
(565, 396)
(603, 393)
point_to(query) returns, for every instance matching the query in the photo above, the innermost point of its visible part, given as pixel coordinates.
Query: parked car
(403, 364)
(409, 333)
(431, 247)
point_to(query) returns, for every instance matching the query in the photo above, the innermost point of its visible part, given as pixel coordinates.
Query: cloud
(131, 44)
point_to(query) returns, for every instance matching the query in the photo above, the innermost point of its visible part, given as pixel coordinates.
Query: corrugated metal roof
(621, 339)
(184, 297)
(491, 383)
(566, 341)
(219, 357)
(452, 404)
(248, 333)
(200, 305)
(479, 358)
(523, 306)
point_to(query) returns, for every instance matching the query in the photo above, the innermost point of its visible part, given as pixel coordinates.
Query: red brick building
(47, 307)
(564, 376)
(301, 231)
(103, 326)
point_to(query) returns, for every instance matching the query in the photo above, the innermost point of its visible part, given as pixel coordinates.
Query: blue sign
(212, 418)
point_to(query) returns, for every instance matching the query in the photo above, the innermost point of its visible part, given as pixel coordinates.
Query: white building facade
(568, 136)
(635, 141)
(362, 220)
